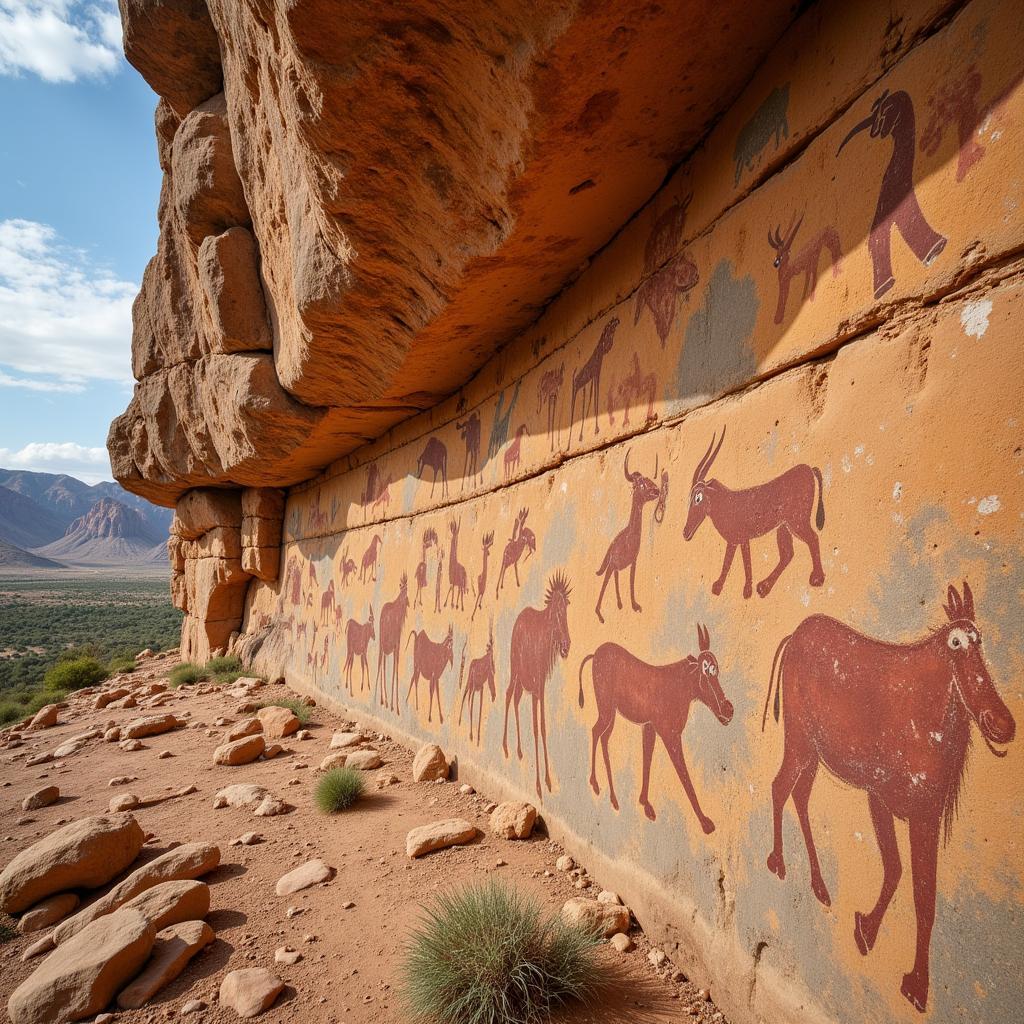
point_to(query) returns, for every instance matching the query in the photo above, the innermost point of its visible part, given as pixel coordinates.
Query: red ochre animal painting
(658, 699)
(895, 721)
(481, 581)
(429, 541)
(358, 636)
(434, 455)
(539, 637)
(892, 114)
(327, 606)
(783, 504)
(522, 539)
(481, 674)
(548, 391)
(469, 431)
(804, 262)
(370, 556)
(429, 659)
(392, 620)
(587, 379)
(623, 551)
(458, 578)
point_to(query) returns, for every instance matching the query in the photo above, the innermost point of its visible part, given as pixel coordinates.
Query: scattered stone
(254, 798)
(130, 746)
(85, 854)
(287, 955)
(112, 735)
(247, 839)
(242, 751)
(47, 912)
(490, 808)
(607, 896)
(250, 991)
(103, 1018)
(183, 863)
(221, 722)
(68, 747)
(43, 758)
(272, 750)
(124, 802)
(171, 903)
(84, 975)
(346, 739)
(313, 872)
(383, 781)
(109, 696)
(304, 734)
(657, 957)
(565, 863)
(248, 727)
(45, 717)
(363, 760)
(192, 1006)
(278, 722)
(173, 949)
(622, 942)
(43, 945)
(336, 760)
(164, 754)
(41, 798)
(122, 780)
(152, 725)
(582, 883)
(293, 911)
(604, 918)
(466, 790)
(429, 763)
(438, 835)
(513, 820)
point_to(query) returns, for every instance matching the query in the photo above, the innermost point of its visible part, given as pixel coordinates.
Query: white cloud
(89, 464)
(62, 319)
(59, 40)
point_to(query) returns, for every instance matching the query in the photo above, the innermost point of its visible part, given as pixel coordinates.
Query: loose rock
(603, 918)
(438, 835)
(278, 722)
(172, 902)
(242, 751)
(45, 717)
(47, 912)
(363, 760)
(254, 798)
(152, 725)
(429, 764)
(622, 942)
(248, 727)
(41, 798)
(514, 820)
(249, 992)
(341, 740)
(313, 872)
(173, 949)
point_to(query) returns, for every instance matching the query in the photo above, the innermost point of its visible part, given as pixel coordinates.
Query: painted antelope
(513, 452)
(348, 567)
(383, 498)
(895, 721)
(633, 388)
(429, 540)
(434, 455)
(327, 605)
(623, 551)
(481, 580)
(369, 563)
(429, 659)
(316, 521)
(392, 621)
(522, 539)
(658, 699)
(548, 390)
(804, 262)
(783, 504)
(458, 578)
(539, 637)
(357, 638)
(469, 431)
(588, 378)
(481, 674)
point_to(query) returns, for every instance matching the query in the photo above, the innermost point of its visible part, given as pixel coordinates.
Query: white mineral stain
(974, 318)
(897, 491)
(989, 505)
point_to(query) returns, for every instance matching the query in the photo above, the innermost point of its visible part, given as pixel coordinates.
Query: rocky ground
(337, 946)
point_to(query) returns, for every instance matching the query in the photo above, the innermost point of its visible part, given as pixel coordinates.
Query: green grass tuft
(186, 674)
(338, 790)
(75, 674)
(225, 670)
(488, 955)
(303, 712)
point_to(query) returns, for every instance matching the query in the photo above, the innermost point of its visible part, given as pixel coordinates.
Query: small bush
(303, 712)
(487, 955)
(225, 670)
(11, 711)
(338, 790)
(122, 663)
(75, 674)
(41, 698)
(186, 674)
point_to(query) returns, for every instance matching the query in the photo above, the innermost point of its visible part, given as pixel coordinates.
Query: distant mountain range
(57, 518)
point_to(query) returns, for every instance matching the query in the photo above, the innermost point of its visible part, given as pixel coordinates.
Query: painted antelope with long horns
(458, 578)
(804, 262)
(783, 504)
(429, 659)
(658, 699)
(539, 637)
(895, 721)
(481, 580)
(357, 637)
(481, 674)
(522, 539)
(623, 551)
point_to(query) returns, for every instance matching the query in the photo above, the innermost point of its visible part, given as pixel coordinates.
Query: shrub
(338, 790)
(225, 670)
(487, 955)
(122, 663)
(186, 674)
(303, 712)
(74, 674)
(12, 711)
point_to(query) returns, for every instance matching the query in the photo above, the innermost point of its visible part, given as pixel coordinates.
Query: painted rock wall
(722, 562)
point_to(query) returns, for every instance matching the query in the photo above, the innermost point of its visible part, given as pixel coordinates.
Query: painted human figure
(892, 114)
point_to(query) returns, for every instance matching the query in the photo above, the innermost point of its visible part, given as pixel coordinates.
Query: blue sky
(79, 184)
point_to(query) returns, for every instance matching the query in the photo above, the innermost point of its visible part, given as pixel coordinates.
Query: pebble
(192, 1006)
(565, 863)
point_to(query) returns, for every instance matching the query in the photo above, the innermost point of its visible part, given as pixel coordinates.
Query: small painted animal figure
(522, 539)
(805, 262)
(588, 378)
(469, 431)
(458, 579)
(392, 620)
(784, 504)
(893, 720)
(347, 566)
(481, 674)
(327, 604)
(624, 550)
(658, 699)
(539, 637)
(429, 540)
(434, 455)
(429, 659)
(383, 498)
(513, 452)
(633, 389)
(481, 580)
(358, 636)
(369, 565)
(548, 391)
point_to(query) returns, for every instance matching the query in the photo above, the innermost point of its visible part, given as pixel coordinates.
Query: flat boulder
(41, 798)
(364, 760)
(249, 991)
(335, 760)
(438, 835)
(313, 872)
(183, 863)
(278, 722)
(247, 727)
(151, 725)
(109, 696)
(340, 740)
(47, 912)
(172, 902)
(429, 764)
(243, 751)
(257, 799)
(81, 977)
(86, 854)
(45, 717)
(604, 919)
(513, 820)
(173, 949)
